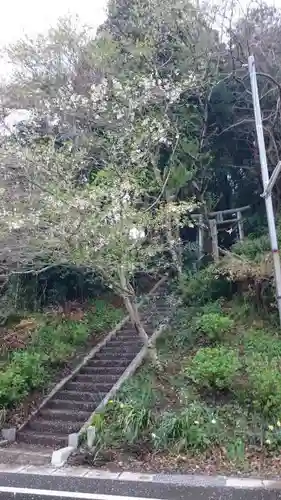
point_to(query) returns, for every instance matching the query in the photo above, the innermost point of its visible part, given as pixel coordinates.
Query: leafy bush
(193, 428)
(140, 390)
(272, 435)
(214, 325)
(31, 367)
(122, 423)
(204, 286)
(214, 367)
(103, 316)
(263, 390)
(13, 387)
(76, 333)
(60, 353)
(212, 307)
(25, 372)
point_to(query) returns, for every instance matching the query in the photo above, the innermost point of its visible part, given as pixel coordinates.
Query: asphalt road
(40, 487)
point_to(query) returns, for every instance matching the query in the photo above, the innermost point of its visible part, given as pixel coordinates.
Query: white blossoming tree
(105, 224)
(102, 196)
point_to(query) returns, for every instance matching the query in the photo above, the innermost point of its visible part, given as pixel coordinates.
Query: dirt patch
(255, 464)
(17, 337)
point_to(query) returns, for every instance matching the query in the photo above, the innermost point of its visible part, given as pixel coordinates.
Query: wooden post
(240, 226)
(214, 236)
(200, 238)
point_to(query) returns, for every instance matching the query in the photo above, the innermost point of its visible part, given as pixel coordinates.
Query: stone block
(59, 457)
(9, 434)
(73, 440)
(91, 434)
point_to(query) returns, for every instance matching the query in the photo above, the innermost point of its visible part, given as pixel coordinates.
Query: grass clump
(214, 367)
(192, 428)
(256, 341)
(130, 417)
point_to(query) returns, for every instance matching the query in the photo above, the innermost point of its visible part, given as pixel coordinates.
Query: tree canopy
(158, 101)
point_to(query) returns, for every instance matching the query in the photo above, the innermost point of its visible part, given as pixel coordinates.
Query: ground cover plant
(43, 347)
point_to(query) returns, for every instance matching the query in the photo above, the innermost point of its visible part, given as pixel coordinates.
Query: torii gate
(215, 219)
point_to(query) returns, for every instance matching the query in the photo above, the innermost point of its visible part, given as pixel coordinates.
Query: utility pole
(267, 183)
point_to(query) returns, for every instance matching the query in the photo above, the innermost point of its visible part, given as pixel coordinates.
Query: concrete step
(129, 332)
(95, 378)
(110, 356)
(42, 439)
(22, 454)
(120, 351)
(108, 363)
(92, 387)
(70, 404)
(115, 342)
(93, 370)
(89, 397)
(55, 426)
(64, 414)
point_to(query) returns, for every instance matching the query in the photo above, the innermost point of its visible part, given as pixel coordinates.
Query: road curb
(188, 480)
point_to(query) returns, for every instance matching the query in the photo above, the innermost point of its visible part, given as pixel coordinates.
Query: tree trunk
(174, 242)
(136, 321)
(133, 312)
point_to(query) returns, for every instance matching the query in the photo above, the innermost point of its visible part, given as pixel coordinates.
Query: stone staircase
(70, 408)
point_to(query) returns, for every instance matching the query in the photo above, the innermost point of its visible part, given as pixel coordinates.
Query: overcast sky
(19, 17)
(33, 16)
(30, 17)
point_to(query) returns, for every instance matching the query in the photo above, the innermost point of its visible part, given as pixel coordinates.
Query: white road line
(67, 494)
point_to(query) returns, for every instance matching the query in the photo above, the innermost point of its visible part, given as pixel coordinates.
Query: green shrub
(214, 367)
(193, 428)
(263, 390)
(272, 436)
(30, 366)
(74, 332)
(13, 387)
(103, 316)
(204, 286)
(212, 307)
(25, 372)
(214, 325)
(140, 390)
(60, 353)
